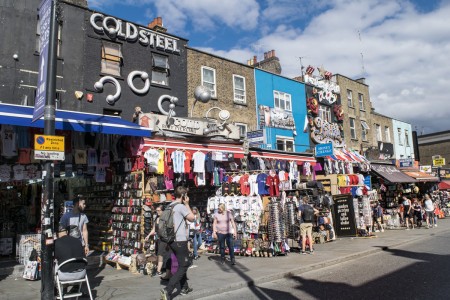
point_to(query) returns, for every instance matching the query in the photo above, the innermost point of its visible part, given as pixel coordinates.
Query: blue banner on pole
(324, 149)
(41, 91)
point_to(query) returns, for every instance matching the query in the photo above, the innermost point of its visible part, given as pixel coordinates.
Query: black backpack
(166, 231)
(307, 214)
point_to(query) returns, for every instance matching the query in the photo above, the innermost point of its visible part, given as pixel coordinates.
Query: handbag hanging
(168, 183)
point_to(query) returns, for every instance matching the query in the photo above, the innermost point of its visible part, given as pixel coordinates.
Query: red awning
(444, 185)
(236, 149)
(284, 156)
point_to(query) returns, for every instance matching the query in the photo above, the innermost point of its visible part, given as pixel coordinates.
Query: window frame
(286, 97)
(350, 99)
(235, 99)
(242, 125)
(399, 135)
(214, 84)
(407, 138)
(325, 110)
(285, 139)
(379, 134)
(109, 60)
(352, 128)
(160, 69)
(361, 102)
(387, 134)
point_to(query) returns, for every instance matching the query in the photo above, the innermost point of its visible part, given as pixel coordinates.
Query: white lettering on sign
(329, 89)
(116, 28)
(324, 132)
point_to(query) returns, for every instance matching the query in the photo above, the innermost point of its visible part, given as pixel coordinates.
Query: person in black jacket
(69, 246)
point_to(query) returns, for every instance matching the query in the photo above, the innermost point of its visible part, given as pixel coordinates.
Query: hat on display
(162, 198)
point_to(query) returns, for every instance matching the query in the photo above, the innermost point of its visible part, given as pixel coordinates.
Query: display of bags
(168, 183)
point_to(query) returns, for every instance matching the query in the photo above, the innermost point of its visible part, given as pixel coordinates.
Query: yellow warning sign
(48, 142)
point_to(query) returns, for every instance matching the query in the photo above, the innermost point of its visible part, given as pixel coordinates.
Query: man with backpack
(306, 214)
(174, 231)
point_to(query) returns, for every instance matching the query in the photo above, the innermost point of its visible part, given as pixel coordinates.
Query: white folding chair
(62, 279)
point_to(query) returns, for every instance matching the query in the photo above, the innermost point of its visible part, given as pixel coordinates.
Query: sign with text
(439, 162)
(324, 150)
(256, 138)
(48, 147)
(344, 215)
(406, 163)
(276, 117)
(44, 26)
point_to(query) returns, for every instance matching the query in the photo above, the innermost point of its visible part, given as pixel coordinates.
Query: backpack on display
(166, 231)
(308, 214)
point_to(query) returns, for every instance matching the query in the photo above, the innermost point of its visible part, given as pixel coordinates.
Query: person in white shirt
(429, 209)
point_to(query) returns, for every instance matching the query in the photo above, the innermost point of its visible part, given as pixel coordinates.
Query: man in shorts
(306, 214)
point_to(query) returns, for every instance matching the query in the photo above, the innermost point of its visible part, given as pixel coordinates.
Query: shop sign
(406, 163)
(116, 28)
(276, 117)
(189, 126)
(324, 132)
(324, 150)
(368, 181)
(48, 142)
(425, 169)
(329, 89)
(256, 138)
(344, 215)
(438, 162)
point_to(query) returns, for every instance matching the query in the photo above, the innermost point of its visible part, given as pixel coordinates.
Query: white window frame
(363, 133)
(239, 98)
(378, 132)
(406, 138)
(214, 90)
(350, 98)
(111, 62)
(387, 134)
(163, 69)
(240, 126)
(284, 98)
(361, 101)
(399, 134)
(352, 128)
(325, 113)
(285, 139)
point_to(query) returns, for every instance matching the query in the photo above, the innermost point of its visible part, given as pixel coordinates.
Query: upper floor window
(399, 134)
(160, 69)
(379, 135)
(239, 89)
(282, 100)
(111, 58)
(209, 80)
(285, 144)
(361, 101)
(242, 129)
(406, 138)
(352, 128)
(350, 98)
(325, 113)
(364, 130)
(387, 134)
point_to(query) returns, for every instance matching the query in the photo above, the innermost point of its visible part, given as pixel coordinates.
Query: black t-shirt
(68, 247)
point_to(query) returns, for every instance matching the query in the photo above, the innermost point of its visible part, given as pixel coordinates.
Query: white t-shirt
(152, 157)
(178, 158)
(428, 205)
(199, 161)
(9, 141)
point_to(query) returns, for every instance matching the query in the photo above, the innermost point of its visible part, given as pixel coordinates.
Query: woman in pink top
(224, 229)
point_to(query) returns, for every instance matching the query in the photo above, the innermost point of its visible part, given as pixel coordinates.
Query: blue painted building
(281, 108)
(403, 142)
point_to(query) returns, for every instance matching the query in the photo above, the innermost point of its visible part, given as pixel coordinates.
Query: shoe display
(186, 291)
(165, 295)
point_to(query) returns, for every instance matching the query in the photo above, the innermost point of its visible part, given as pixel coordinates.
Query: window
(352, 128)
(160, 69)
(209, 80)
(239, 89)
(325, 113)
(285, 144)
(111, 58)
(282, 100)
(350, 98)
(387, 134)
(364, 130)
(242, 129)
(379, 135)
(399, 134)
(361, 101)
(406, 138)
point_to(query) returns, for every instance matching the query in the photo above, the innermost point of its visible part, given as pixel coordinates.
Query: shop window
(387, 134)
(282, 100)
(209, 80)
(361, 101)
(285, 144)
(239, 89)
(350, 98)
(325, 113)
(242, 129)
(111, 58)
(352, 128)
(160, 69)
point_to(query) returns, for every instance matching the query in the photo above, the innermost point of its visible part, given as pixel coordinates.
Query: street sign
(48, 147)
(439, 162)
(406, 163)
(324, 149)
(44, 25)
(49, 155)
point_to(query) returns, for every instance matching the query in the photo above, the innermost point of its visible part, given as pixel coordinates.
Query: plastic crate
(25, 245)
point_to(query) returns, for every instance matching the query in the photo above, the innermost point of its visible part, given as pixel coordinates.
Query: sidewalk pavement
(208, 277)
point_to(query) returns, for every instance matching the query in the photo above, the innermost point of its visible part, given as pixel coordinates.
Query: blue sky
(401, 47)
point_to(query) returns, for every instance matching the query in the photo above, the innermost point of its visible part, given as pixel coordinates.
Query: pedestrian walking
(417, 207)
(378, 217)
(162, 249)
(224, 230)
(181, 214)
(195, 229)
(306, 214)
(407, 212)
(429, 210)
(78, 218)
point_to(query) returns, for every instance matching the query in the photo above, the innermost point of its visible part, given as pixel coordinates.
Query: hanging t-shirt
(23, 135)
(92, 157)
(152, 157)
(252, 180)
(187, 161)
(24, 156)
(5, 172)
(273, 183)
(18, 172)
(178, 161)
(161, 160)
(8, 139)
(104, 158)
(245, 186)
(100, 174)
(80, 157)
(199, 161)
(261, 181)
(32, 171)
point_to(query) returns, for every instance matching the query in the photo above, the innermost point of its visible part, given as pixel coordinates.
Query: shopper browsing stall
(78, 218)
(429, 209)
(195, 232)
(306, 214)
(224, 229)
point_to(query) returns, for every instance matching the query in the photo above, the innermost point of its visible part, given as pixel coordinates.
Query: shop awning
(348, 156)
(444, 185)
(284, 156)
(421, 176)
(72, 120)
(391, 173)
(236, 149)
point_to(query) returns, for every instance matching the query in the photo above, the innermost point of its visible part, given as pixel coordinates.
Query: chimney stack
(255, 60)
(272, 53)
(265, 55)
(157, 25)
